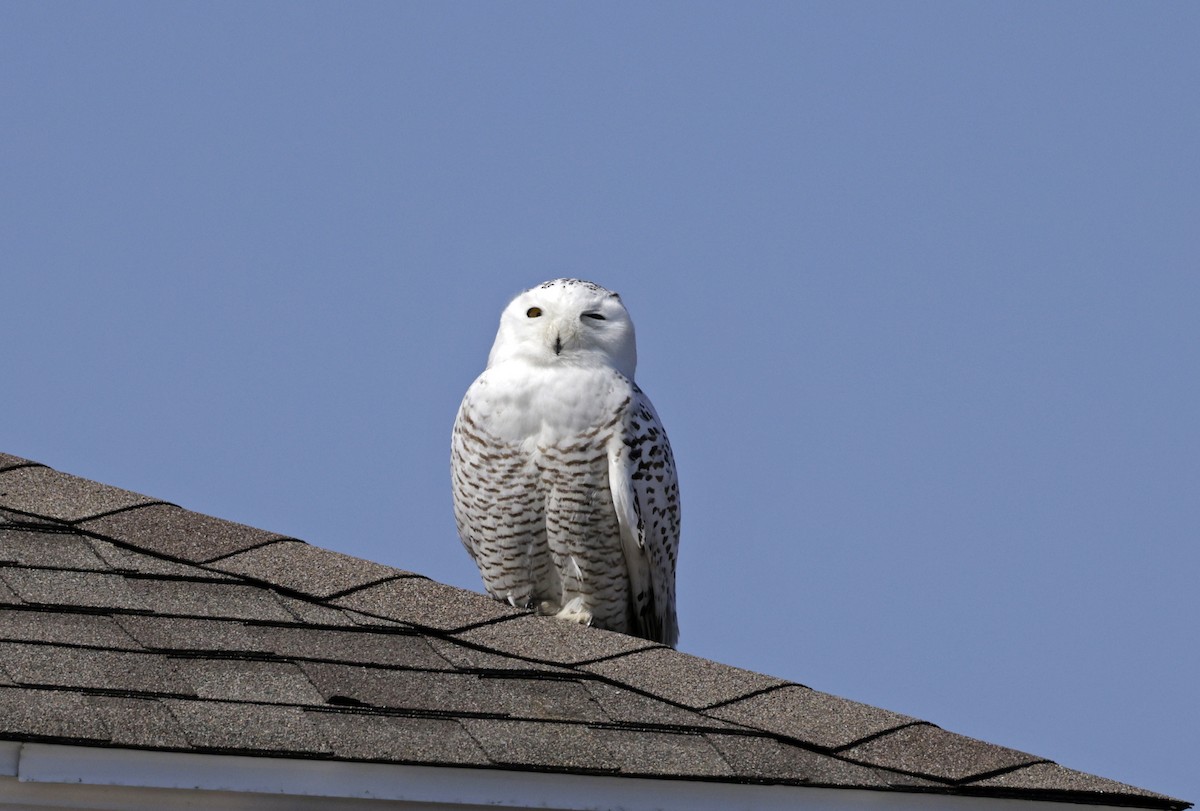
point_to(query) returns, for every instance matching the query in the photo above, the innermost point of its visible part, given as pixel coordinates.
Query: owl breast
(530, 475)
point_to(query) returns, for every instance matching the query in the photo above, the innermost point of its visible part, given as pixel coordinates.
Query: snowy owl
(564, 485)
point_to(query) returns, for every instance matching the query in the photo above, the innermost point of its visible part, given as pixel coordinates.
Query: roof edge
(175, 777)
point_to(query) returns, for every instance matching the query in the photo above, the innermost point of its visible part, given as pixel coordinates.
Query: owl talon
(574, 611)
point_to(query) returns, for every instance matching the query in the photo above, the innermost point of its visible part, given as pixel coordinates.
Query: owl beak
(558, 344)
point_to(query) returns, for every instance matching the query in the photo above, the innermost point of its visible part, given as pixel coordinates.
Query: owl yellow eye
(533, 312)
(595, 316)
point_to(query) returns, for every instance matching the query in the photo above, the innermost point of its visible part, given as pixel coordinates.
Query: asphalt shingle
(247, 680)
(50, 494)
(76, 590)
(361, 647)
(137, 722)
(188, 635)
(655, 754)
(929, 751)
(470, 659)
(14, 520)
(129, 561)
(811, 716)
(681, 678)
(306, 569)
(411, 690)
(223, 726)
(51, 550)
(425, 604)
(546, 639)
(45, 665)
(30, 714)
(365, 736)
(544, 699)
(769, 759)
(627, 707)
(542, 745)
(170, 531)
(1052, 777)
(202, 599)
(7, 595)
(9, 461)
(65, 628)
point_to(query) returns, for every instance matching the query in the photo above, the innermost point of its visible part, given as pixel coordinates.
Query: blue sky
(916, 288)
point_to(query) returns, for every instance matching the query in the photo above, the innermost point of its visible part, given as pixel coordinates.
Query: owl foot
(575, 612)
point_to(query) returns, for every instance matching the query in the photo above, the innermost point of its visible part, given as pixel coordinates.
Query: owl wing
(645, 492)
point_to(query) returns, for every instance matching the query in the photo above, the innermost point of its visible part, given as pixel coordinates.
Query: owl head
(566, 322)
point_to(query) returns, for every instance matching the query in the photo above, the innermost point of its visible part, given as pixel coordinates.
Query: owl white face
(567, 322)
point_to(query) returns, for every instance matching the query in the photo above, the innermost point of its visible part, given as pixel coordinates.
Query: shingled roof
(130, 622)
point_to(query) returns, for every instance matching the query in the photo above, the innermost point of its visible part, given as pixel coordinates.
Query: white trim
(10, 758)
(52, 776)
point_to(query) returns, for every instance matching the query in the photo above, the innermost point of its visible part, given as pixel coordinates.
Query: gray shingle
(368, 621)
(12, 520)
(412, 690)
(254, 729)
(389, 649)
(422, 691)
(364, 736)
(47, 665)
(53, 550)
(310, 570)
(193, 599)
(544, 699)
(177, 634)
(7, 595)
(65, 629)
(426, 604)
(810, 716)
(137, 722)
(682, 678)
(95, 590)
(470, 659)
(766, 759)
(653, 754)
(48, 493)
(551, 640)
(1052, 777)
(540, 744)
(245, 680)
(310, 612)
(49, 714)
(173, 532)
(626, 707)
(118, 559)
(930, 751)
(9, 461)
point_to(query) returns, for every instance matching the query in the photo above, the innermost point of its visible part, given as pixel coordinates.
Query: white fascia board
(339, 784)
(10, 758)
